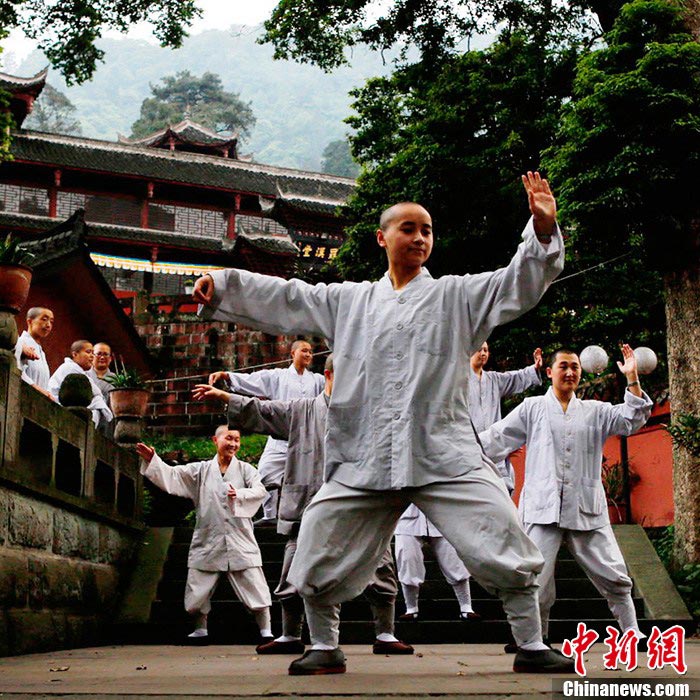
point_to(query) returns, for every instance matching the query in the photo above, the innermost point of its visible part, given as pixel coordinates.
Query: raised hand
(145, 452)
(543, 206)
(203, 290)
(629, 369)
(231, 494)
(629, 364)
(537, 356)
(207, 391)
(216, 376)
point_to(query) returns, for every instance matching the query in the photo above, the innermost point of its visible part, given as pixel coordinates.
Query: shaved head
(393, 212)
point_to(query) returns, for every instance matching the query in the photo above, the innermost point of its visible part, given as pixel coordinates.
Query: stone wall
(188, 350)
(71, 509)
(60, 575)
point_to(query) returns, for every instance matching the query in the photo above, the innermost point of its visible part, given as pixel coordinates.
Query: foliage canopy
(66, 30)
(201, 99)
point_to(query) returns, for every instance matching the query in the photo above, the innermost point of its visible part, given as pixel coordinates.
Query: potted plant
(15, 274)
(189, 286)
(129, 395)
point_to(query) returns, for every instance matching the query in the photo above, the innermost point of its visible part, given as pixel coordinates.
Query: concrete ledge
(651, 580)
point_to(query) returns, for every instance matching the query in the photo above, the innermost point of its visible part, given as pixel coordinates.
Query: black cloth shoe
(294, 646)
(391, 647)
(316, 662)
(544, 661)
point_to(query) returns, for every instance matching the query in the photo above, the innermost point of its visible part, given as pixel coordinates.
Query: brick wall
(188, 350)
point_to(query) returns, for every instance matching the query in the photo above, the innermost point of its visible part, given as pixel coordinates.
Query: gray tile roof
(313, 192)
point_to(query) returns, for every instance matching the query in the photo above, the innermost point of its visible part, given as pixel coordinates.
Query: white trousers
(271, 470)
(599, 555)
(345, 532)
(248, 584)
(411, 565)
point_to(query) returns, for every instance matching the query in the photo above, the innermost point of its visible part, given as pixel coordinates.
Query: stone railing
(71, 504)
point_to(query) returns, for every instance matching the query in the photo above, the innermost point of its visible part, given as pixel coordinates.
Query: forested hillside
(299, 108)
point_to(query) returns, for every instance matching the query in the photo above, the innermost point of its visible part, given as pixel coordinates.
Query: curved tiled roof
(32, 85)
(312, 191)
(185, 131)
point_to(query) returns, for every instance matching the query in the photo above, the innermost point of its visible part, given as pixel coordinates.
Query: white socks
(464, 596)
(287, 638)
(199, 632)
(386, 637)
(410, 596)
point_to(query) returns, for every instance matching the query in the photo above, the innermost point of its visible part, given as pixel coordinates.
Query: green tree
(337, 159)
(66, 30)
(203, 99)
(320, 33)
(627, 161)
(54, 113)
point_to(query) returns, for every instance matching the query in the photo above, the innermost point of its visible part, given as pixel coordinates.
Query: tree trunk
(682, 291)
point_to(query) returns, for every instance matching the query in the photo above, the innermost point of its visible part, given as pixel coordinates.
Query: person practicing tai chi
(303, 423)
(226, 494)
(487, 388)
(412, 532)
(398, 429)
(563, 499)
(292, 382)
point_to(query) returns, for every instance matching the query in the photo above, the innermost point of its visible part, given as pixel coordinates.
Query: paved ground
(174, 672)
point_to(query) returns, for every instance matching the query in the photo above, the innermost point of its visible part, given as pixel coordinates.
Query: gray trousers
(380, 593)
(346, 531)
(599, 555)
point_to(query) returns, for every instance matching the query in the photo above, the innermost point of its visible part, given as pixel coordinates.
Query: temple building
(162, 209)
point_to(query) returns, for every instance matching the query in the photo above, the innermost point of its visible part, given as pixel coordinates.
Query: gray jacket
(302, 422)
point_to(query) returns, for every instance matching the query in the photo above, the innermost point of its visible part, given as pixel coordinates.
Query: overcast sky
(216, 14)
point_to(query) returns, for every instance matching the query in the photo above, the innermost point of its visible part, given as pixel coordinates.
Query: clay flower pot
(129, 402)
(14, 287)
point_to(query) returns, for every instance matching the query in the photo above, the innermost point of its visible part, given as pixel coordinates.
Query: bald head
(392, 213)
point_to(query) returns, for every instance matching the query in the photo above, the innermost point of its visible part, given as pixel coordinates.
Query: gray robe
(223, 537)
(302, 422)
(399, 414)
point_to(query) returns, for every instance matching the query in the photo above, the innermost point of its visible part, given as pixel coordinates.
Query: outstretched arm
(629, 416)
(495, 298)
(507, 435)
(257, 416)
(271, 304)
(180, 480)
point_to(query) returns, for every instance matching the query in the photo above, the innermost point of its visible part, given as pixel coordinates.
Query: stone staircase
(229, 622)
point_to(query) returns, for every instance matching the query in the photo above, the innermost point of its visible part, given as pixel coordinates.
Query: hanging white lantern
(646, 360)
(594, 359)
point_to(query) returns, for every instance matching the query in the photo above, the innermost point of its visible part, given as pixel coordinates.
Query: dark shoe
(295, 646)
(316, 662)
(391, 648)
(408, 617)
(469, 616)
(265, 522)
(196, 641)
(544, 661)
